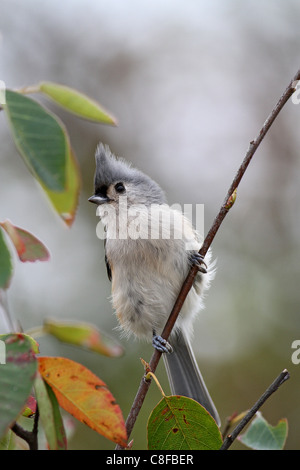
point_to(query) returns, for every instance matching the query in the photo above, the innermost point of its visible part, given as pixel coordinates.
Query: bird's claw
(161, 344)
(198, 260)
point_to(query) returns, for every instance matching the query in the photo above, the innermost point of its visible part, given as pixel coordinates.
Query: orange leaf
(85, 396)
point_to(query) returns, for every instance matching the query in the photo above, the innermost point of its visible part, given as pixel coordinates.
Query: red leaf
(29, 248)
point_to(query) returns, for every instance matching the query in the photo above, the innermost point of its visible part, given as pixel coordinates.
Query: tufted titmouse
(149, 249)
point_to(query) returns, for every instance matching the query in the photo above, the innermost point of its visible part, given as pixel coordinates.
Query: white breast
(149, 266)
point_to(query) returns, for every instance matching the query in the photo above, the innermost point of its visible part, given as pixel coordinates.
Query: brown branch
(282, 377)
(227, 204)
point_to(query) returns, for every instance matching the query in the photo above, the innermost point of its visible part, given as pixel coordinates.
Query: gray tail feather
(184, 375)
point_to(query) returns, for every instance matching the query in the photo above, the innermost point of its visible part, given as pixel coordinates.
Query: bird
(149, 250)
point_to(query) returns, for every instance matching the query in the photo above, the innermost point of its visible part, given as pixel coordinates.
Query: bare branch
(227, 204)
(282, 377)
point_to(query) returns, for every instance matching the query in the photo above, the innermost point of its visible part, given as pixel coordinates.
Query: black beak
(99, 199)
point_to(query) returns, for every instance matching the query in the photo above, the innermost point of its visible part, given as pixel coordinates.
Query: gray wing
(108, 268)
(184, 375)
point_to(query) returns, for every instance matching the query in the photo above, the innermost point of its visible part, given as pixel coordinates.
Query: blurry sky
(191, 84)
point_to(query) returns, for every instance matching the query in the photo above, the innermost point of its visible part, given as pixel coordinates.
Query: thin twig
(144, 386)
(282, 377)
(31, 437)
(228, 424)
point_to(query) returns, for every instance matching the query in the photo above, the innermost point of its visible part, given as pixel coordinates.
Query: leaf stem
(29, 89)
(150, 375)
(37, 331)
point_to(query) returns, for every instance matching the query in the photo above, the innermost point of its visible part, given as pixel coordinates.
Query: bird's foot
(198, 260)
(161, 344)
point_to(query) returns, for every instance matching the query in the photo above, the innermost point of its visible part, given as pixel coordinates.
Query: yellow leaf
(65, 202)
(77, 102)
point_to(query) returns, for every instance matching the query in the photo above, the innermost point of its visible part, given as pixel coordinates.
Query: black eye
(119, 187)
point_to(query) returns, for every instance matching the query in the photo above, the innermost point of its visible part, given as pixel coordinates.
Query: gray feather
(184, 375)
(110, 169)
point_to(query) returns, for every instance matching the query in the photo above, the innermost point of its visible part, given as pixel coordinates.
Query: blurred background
(190, 84)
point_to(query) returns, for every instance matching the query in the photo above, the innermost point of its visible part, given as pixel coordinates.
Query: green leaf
(76, 102)
(6, 267)
(50, 415)
(44, 144)
(180, 423)
(7, 442)
(65, 203)
(262, 436)
(83, 335)
(28, 247)
(34, 344)
(16, 377)
(40, 138)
